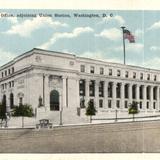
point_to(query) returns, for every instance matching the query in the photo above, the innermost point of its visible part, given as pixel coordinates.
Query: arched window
(11, 100)
(4, 100)
(4, 103)
(54, 100)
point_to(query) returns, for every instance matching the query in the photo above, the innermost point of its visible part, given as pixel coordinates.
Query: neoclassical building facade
(61, 81)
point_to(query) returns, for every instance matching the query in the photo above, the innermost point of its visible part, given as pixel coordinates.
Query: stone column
(86, 92)
(64, 92)
(130, 93)
(114, 85)
(157, 106)
(106, 94)
(144, 96)
(151, 97)
(122, 96)
(46, 92)
(97, 93)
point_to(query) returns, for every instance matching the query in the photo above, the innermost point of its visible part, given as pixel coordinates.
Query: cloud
(131, 47)
(154, 26)
(12, 20)
(154, 48)
(56, 36)
(153, 63)
(139, 33)
(99, 55)
(119, 19)
(25, 28)
(6, 56)
(112, 34)
(135, 47)
(95, 55)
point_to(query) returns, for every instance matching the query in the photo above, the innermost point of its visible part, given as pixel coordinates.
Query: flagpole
(124, 50)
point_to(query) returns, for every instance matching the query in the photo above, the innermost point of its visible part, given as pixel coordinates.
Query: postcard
(79, 81)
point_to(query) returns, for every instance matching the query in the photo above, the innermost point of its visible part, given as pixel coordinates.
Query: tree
(133, 108)
(23, 111)
(2, 112)
(90, 110)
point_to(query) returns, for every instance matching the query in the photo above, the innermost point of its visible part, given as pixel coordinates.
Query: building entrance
(54, 100)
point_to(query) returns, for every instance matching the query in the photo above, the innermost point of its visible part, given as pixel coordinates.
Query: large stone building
(52, 82)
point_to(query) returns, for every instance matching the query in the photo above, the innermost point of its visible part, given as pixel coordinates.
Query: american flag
(127, 35)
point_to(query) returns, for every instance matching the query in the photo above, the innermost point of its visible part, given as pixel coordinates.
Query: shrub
(90, 110)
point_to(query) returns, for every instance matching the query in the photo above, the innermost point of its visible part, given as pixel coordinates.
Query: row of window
(9, 85)
(134, 76)
(11, 100)
(110, 105)
(7, 72)
(82, 90)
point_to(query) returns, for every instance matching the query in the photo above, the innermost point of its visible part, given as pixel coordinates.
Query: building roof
(73, 56)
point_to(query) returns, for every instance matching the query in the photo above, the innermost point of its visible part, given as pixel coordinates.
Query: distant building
(61, 81)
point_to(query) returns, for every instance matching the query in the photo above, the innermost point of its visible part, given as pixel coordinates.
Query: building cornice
(78, 59)
(26, 69)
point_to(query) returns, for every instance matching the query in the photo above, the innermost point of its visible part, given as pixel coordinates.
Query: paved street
(117, 137)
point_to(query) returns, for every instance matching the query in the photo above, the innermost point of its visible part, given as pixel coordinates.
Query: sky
(93, 37)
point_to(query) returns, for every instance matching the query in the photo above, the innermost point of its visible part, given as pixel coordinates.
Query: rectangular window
(155, 77)
(126, 88)
(101, 89)
(126, 104)
(92, 88)
(20, 100)
(141, 92)
(141, 75)
(9, 72)
(110, 72)
(82, 68)
(12, 83)
(155, 93)
(2, 74)
(5, 85)
(109, 104)
(126, 74)
(154, 105)
(134, 75)
(101, 70)
(9, 84)
(5, 73)
(148, 77)
(140, 105)
(92, 69)
(118, 104)
(12, 69)
(110, 90)
(148, 92)
(100, 103)
(147, 105)
(82, 87)
(118, 90)
(118, 73)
